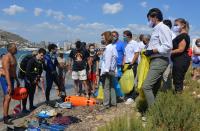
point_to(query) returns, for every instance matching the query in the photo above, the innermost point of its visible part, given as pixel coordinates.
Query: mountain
(5, 35)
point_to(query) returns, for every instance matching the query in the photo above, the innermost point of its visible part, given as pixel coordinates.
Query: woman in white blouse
(109, 70)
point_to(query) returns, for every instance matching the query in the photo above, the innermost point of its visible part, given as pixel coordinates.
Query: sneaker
(25, 111)
(129, 101)
(47, 103)
(32, 108)
(9, 117)
(7, 121)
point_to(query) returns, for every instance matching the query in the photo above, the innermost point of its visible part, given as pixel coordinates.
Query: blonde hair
(184, 23)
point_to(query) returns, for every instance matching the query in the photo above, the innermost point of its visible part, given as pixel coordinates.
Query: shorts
(4, 84)
(92, 77)
(79, 75)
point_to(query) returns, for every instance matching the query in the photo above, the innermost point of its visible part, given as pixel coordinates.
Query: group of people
(167, 47)
(30, 70)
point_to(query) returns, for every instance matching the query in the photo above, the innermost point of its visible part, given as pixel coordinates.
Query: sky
(59, 20)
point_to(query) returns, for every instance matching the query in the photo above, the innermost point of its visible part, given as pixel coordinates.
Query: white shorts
(79, 75)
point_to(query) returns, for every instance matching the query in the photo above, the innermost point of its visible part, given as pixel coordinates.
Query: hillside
(4, 35)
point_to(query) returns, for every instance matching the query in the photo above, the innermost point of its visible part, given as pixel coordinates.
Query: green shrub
(141, 105)
(174, 113)
(171, 112)
(128, 122)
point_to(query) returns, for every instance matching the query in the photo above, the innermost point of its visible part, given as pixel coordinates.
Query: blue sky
(57, 20)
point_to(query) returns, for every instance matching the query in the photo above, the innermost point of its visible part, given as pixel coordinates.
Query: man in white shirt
(131, 58)
(158, 50)
(131, 51)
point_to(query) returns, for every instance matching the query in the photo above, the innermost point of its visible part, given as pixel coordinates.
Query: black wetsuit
(34, 70)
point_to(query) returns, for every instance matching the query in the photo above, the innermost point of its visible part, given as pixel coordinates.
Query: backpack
(23, 65)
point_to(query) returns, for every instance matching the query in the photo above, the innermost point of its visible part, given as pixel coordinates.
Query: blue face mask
(150, 24)
(176, 29)
(125, 39)
(115, 39)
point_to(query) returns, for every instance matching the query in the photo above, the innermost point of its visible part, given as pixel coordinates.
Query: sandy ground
(86, 118)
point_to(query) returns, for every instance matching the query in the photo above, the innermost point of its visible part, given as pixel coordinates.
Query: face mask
(176, 29)
(125, 39)
(150, 24)
(198, 44)
(115, 39)
(103, 42)
(53, 55)
(92, 53)
(91, 50)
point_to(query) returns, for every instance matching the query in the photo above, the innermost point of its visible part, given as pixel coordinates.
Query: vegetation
(171, 112)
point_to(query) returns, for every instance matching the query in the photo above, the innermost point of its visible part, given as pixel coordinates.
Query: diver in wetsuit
(33, 73)
(51, 63)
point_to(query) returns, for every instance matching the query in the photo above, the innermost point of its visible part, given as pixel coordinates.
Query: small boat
(29, 49)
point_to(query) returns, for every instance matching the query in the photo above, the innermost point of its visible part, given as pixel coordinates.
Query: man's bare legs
(6, 104)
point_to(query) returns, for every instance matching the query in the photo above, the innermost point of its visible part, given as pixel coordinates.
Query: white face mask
(198, 44)
(150, 24)
(176, 29)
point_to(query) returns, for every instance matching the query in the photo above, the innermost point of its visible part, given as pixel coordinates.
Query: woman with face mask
(109, 70)
(180, 57)
(196, 60)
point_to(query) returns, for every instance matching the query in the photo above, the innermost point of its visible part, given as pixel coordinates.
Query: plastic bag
(100, 95)
(142, 72)
(117, 87)
(127, 81)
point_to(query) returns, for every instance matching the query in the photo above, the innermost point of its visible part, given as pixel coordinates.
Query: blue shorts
(195, 65)
(4, 84)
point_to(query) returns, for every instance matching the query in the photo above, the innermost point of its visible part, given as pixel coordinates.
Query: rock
(138, 114)
(144, 124)
(89, 117)
(106, 118)
(144, 119)
(133, 105)
(198, 96)
(99, 117)
(194, 93)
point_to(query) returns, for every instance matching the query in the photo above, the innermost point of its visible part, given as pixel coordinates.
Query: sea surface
(39, 96)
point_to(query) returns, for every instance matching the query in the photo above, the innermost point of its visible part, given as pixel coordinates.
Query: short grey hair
(147, 36)
(10, 45)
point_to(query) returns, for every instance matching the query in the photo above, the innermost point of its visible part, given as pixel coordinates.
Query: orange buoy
(20, 93)
(80, 101)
